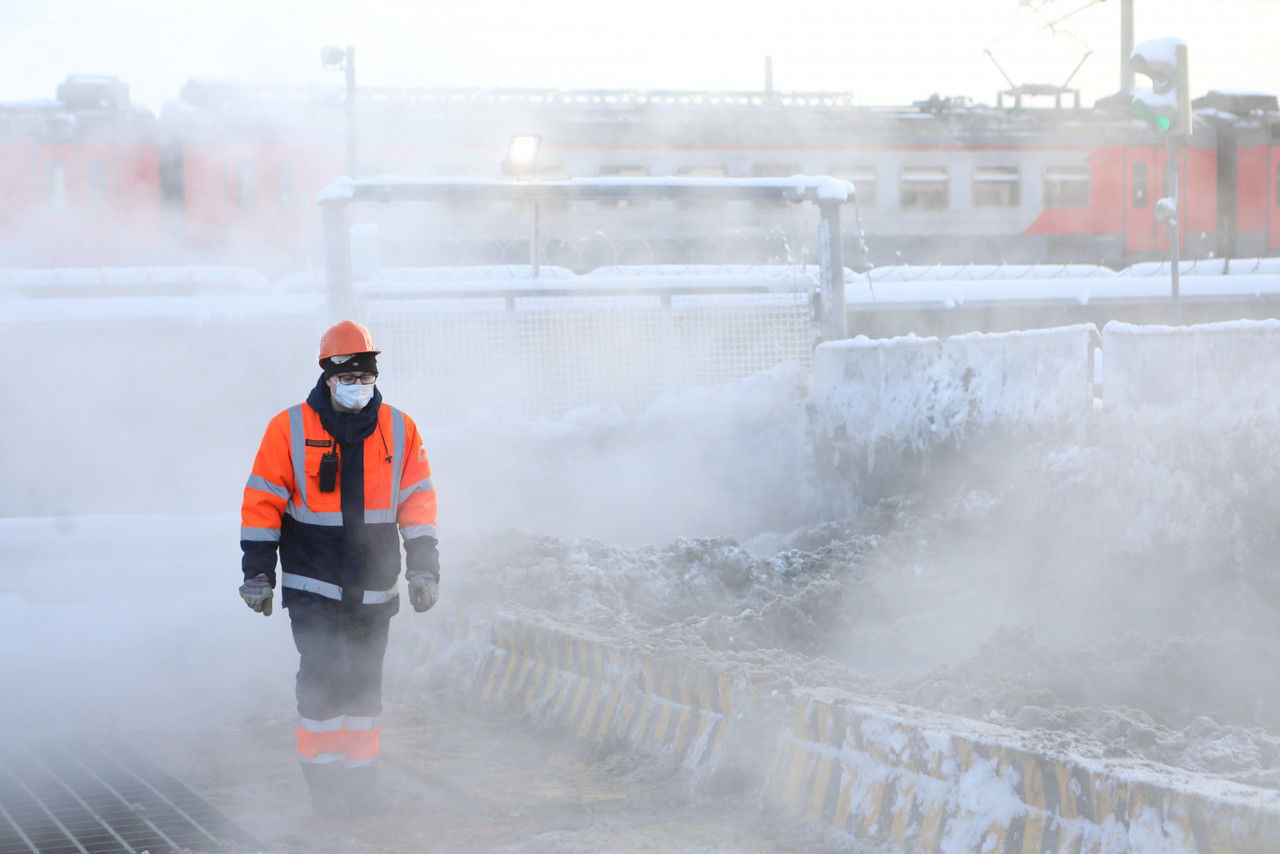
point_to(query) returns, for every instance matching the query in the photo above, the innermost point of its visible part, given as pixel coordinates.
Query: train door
(1249, 191)
(55, 215)
(1273, 190)
(204, 189)
(95, 203)
(1148, 179)
(1228, 188)
(17, 183)
(1142, 171)
(1198, 206)
(245, 200)
(139, 199)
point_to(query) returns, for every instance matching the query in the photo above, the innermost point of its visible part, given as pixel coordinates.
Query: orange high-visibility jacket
(340, 545)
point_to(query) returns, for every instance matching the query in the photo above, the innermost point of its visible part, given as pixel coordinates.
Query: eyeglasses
(352, 379)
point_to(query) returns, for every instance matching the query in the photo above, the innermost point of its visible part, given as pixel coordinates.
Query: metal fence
(541, 356)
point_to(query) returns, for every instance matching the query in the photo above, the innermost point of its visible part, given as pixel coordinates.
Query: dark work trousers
(339, 692)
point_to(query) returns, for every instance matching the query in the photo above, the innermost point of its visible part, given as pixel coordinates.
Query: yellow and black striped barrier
(897, 775)
(931, 782)
(605, 692)
(427, 640)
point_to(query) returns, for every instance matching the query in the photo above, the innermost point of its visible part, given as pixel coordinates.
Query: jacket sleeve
(416, 512)
(270, 485)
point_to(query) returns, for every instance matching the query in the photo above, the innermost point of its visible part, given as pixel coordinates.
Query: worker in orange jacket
(335, 480)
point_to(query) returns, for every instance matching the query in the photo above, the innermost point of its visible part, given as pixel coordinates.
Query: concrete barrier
(932, 782)
(607, 693)
(887, 773)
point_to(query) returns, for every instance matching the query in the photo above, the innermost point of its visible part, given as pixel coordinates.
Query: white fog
(967, 547)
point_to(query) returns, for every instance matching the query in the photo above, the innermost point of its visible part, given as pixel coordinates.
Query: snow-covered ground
(1111, 587)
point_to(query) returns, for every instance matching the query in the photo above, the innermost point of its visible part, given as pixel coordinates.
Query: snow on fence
(221, 349)
(65, 282)
(917, 393)
(1230, 368)
(947, 287)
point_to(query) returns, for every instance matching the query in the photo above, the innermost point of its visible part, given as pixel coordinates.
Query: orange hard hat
(345, 337)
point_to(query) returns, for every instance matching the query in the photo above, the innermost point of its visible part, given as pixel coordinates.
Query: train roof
(210, 108)
(86, 107)
(1237, 103)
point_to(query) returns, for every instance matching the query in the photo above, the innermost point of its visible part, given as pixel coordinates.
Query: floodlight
(522, 155)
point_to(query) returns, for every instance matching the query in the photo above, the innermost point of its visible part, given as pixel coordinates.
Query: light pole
(336, 57)
(522, 162)
(1167, 107)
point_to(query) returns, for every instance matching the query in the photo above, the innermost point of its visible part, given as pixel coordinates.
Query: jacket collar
(346, 427)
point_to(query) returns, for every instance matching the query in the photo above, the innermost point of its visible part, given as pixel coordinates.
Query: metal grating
(82, 798)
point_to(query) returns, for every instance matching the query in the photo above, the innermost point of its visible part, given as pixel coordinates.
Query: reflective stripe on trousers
(351, 740)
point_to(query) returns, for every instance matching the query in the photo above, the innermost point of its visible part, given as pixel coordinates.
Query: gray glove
(424, 591)
(257, 593)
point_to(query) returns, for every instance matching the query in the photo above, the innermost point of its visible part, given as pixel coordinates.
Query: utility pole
(1126, 47)
(345, 59)
(350, 67)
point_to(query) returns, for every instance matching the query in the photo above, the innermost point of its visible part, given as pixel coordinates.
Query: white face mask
(353, 396)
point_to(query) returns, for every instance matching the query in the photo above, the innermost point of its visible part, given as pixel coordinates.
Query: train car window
(244, 186)
(98, 184)
(1139, 185)
(56, 183)
(1066, 187)
(996, 187)
(701, 172)
(924, 188)
(286, 185)
(864, 185)
(623, 172)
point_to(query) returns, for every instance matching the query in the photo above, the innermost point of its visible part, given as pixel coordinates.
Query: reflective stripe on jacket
(338, 545)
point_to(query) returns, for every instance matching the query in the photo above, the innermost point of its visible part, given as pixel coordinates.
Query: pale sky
(883, 51)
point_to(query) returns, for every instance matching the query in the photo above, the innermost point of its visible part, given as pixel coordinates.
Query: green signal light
(1147, 114)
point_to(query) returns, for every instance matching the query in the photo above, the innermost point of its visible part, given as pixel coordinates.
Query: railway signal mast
(345, 60)
(1167, 108)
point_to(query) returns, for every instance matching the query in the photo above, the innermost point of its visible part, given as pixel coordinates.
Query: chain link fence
(615, 341)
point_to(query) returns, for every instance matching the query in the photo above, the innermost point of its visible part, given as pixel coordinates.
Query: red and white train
(229, 174)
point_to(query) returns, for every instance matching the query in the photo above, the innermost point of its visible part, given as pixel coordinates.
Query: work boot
(360, 790)
(324, 784)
